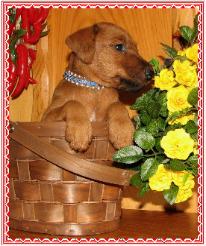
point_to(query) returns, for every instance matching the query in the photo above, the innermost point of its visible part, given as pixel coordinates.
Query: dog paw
(121, 133)
(79, 134)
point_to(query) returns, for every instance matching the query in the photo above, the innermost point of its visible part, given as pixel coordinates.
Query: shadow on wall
(154, 201)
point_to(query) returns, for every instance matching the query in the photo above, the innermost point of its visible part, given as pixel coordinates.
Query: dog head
(109, 53)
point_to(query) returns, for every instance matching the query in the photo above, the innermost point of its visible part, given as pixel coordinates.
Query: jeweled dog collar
(81, 81)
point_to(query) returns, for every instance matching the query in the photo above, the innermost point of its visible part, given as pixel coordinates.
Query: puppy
(103, 55)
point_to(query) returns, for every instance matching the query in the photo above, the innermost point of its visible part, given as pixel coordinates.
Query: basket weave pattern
(46, 198)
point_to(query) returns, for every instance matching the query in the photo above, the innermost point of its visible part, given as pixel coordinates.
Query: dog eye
(120, 47)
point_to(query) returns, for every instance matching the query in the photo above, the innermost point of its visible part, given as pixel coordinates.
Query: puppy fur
(94, 56)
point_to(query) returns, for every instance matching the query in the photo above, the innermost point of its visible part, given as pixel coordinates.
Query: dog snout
(138, 69)
(139, 72)
(149, 72)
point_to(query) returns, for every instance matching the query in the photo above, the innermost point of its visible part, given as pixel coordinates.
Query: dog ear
(82, 43)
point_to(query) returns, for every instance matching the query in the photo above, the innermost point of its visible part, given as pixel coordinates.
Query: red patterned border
(5, 123)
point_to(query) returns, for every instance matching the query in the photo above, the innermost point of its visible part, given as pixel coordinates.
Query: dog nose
(149, 73)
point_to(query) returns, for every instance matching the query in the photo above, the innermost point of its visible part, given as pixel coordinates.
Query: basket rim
(62, 159)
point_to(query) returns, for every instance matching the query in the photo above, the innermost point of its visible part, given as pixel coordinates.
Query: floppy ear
(82, 43)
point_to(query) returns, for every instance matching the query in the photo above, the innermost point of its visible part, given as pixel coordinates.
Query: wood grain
(148, 27)
(141, 224)
(51, 61)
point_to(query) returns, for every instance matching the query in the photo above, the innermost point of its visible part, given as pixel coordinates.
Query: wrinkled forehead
(110, 33)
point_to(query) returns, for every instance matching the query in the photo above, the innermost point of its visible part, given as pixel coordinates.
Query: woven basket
(56, 191)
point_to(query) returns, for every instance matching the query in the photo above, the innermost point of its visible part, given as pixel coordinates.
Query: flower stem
(155, 154)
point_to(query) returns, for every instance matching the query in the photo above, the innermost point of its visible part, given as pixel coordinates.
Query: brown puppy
(106, 54)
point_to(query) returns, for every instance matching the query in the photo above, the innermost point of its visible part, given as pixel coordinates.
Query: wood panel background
(148, 27)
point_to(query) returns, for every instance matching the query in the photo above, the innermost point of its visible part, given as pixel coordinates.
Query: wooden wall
(148, 27)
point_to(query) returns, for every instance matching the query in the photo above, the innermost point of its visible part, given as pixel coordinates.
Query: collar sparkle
(81, 81)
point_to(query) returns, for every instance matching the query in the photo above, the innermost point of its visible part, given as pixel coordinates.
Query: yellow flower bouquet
(165, 149)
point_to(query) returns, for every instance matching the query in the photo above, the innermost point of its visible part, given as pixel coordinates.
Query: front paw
(121, 133)
(79, 134)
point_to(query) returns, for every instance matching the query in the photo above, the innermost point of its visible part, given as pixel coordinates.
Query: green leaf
(12, 15)
(172, 127)
(140, 103)
(186, 32)
(191, 127)
(13, 55)
(164, 110)
(44, 33)
(177, 165)
(155, 126)
(194, 136)
(195, 29)
(144, 117)
(162, 99)
(137, 121)
(20, 33)
(193, 97)
(44, 26)
(144, 188)
(161, 96)
(181, 58)
(148, 168)
(14, 38)
(143, 101)
(136, 180)
(144, 139)
(153, 109)
(128, 155)
(157, 144)
(162, 159)
(171, 52)
(194, 171)
(171, 194)
(161, 124)
(155, 64)
(157, 94)
(192, 162)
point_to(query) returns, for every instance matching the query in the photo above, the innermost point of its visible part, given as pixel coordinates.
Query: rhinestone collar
(81, 81)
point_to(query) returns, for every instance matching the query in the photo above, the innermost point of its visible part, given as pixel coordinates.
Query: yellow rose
(177, 144)
(182, 120)
(186, 74)
(183, 179)
(165, 80)
(192, 53)
(185, 182)
(177, 99)
(181, 53)
(161, 180)
(183, 195)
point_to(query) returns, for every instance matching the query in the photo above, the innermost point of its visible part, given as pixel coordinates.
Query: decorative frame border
(5, 121)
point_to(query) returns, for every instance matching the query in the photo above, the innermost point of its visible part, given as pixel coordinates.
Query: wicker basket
(56, 191)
